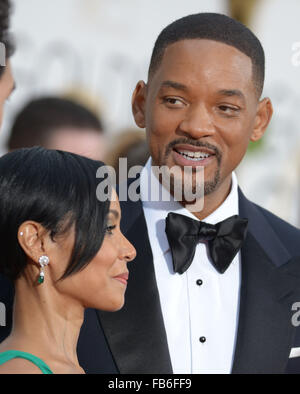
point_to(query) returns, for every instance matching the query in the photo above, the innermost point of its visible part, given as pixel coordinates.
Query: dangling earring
(43, 260)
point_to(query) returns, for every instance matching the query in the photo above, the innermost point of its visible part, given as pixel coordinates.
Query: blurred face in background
(85, 142)
(6, 87)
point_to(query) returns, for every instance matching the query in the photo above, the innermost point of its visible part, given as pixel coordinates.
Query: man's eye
(227, 109)
(173, 101)
(109, 229)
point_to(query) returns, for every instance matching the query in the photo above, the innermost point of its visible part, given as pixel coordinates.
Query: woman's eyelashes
(109, 229)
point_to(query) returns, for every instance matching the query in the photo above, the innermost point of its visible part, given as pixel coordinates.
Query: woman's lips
(123, 278)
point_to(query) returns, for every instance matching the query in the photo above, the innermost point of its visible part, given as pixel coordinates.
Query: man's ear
(31, 237)
(138, 103)
(263, 116)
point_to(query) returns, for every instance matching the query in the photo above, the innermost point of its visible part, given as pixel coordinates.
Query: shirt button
(199, 282)
(202, 339)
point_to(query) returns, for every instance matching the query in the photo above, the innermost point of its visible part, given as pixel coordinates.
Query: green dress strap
(11, 354)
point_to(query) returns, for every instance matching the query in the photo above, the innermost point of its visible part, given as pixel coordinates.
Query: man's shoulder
(287, 233)
(131, 208)
(277, 222)
(129, 202)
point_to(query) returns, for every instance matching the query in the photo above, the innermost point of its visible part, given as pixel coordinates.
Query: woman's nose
(128, 250)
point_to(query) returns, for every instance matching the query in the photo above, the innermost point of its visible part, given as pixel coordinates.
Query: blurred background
(84, 57)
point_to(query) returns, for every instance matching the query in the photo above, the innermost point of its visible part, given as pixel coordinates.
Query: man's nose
(197, 122)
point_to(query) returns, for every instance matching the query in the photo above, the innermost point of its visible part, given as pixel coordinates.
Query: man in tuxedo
(199, 301)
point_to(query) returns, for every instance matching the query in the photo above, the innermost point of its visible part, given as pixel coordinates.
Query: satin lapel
(269, 286)
(136, 334)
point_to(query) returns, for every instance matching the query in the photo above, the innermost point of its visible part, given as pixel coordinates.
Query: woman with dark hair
(64, 251)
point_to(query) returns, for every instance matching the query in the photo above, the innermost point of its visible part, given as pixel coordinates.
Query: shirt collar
(157, 211)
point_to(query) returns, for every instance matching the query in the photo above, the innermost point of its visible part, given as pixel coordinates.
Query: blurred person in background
(6, 76)
(130, 144)
(58, 123)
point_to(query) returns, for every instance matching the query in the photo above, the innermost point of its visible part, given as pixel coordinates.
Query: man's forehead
(201, 50)
(201, 57)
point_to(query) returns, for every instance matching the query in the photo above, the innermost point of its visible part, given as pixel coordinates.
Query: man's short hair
(216, 27)
(5, 37)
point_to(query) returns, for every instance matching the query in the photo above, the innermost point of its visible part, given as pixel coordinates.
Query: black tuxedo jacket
(133, 340)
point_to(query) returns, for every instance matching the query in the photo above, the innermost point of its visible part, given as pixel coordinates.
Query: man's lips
(193, 156)
(193, 148)
(123, 278)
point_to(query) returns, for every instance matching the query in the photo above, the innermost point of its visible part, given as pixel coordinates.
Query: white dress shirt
(207, 310)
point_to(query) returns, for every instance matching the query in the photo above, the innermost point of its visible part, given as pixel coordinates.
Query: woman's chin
(112, 305)
(118, 304)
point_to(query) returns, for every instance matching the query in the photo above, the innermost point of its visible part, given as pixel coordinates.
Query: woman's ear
(138, 103)
(263, 118)
(31, 237)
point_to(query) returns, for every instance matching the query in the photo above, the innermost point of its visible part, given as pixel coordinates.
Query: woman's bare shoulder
(19, 366)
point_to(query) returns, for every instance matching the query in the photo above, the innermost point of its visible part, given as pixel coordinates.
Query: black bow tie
(224, 240)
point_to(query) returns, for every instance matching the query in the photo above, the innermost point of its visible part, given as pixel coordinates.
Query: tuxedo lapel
(269, 286)
(136, 334)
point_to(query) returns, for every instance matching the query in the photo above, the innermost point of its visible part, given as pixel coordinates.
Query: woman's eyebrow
(114, 212)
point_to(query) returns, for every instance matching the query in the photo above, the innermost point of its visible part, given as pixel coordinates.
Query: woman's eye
(109, 229)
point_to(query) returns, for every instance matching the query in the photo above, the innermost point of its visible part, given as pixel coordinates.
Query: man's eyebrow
(222, 92)
(174, 85)
(232, 92)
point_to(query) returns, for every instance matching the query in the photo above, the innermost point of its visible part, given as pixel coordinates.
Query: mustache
(197, 144)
